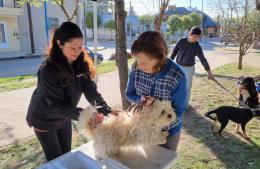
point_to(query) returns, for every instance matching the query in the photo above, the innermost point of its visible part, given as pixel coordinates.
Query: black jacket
(54, 104)
(186, 53)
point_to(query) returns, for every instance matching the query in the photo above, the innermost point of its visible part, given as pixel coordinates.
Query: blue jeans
(189, 72)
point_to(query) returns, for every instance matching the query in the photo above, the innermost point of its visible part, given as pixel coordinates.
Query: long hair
(65, 33)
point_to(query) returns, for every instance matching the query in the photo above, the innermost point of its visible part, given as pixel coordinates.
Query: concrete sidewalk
(14, 104)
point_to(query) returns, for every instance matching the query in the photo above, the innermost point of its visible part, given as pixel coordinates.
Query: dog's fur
(248, 96)
(238, 115)
(139, 126)
(247, 92)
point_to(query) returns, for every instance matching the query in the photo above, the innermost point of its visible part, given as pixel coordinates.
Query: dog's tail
(210, 115)
(84, 126)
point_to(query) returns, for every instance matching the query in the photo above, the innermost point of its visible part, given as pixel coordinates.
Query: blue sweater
(168, 84)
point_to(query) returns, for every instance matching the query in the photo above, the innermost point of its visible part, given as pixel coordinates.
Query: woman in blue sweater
(154, 76)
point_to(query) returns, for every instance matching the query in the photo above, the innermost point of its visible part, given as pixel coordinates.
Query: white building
(15, 39)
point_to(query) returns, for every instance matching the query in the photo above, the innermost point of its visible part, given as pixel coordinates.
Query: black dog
(238, 115)
(247, 92)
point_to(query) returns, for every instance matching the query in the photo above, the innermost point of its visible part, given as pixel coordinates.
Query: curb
(21, 57)
(36, 56)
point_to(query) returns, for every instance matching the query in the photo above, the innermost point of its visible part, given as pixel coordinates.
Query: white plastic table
(152, 157)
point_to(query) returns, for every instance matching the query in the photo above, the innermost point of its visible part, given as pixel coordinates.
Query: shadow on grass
(217, 75)
(22, 155)
(232, 152)
(6, 133)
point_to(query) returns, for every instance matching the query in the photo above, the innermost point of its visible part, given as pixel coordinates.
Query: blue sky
(149, 6)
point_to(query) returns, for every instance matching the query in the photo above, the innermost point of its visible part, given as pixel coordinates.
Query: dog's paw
(238, 132)
(101, 156)
(246, 136)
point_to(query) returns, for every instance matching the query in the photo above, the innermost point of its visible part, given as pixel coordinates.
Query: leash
(236, 98)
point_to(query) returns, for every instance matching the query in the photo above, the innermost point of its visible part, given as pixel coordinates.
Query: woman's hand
(115, 111)
(147, 100)
(210, 75)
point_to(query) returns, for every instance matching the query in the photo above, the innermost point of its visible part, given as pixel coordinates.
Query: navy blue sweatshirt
(186, 52)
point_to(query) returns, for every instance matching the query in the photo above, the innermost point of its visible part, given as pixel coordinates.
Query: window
(1, 3)
(3, 35)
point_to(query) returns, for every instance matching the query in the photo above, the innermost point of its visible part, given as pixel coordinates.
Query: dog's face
(246, 83)
(247, 91)
(160, 113)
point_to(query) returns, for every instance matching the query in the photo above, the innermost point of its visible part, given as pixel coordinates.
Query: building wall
(105, 34)
(211, 30)
(55, 17)
(8, 19)
(11, 33)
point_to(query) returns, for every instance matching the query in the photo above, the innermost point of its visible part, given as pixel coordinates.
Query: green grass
(15, 79)
(199, 147)
(28, 154)
(25, 81)
(231, 70)
(109, 66)
(236, 49)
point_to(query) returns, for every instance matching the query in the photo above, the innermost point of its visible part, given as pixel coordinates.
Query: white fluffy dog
(141, 125)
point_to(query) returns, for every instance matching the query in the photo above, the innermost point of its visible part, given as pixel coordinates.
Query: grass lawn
(199, 148)
(236, 49)
(24, 81)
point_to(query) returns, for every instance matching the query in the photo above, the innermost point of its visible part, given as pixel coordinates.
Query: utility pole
(46, 22)
(95, 36)
(201, 17)
(246, 10)
(219, 17)
(84, 24)
(130, 14)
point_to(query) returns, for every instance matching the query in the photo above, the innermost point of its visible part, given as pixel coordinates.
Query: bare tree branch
(158, 18)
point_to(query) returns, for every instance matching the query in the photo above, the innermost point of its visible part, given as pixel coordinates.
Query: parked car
(92, 55)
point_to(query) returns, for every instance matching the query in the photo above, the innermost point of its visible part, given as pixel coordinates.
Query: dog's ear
(241, 78)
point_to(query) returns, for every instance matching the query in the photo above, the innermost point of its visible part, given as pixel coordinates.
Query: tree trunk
(92, 32)
(121, 58)
(158, 19)
(111, 34)
(240, 59)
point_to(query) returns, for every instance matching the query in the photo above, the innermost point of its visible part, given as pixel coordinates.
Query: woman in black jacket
(62, 78)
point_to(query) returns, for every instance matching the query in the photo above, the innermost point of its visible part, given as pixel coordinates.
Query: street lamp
(95, 34)
(201, 17)
(46, 22)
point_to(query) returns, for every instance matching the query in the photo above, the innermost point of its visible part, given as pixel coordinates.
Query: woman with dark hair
(62, 78)
(154, 76)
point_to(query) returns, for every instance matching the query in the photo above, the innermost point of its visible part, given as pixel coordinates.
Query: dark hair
(195, 30)
(152, 44)
(65, 33)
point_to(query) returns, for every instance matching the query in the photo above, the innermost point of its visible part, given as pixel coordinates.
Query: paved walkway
(14, 104)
